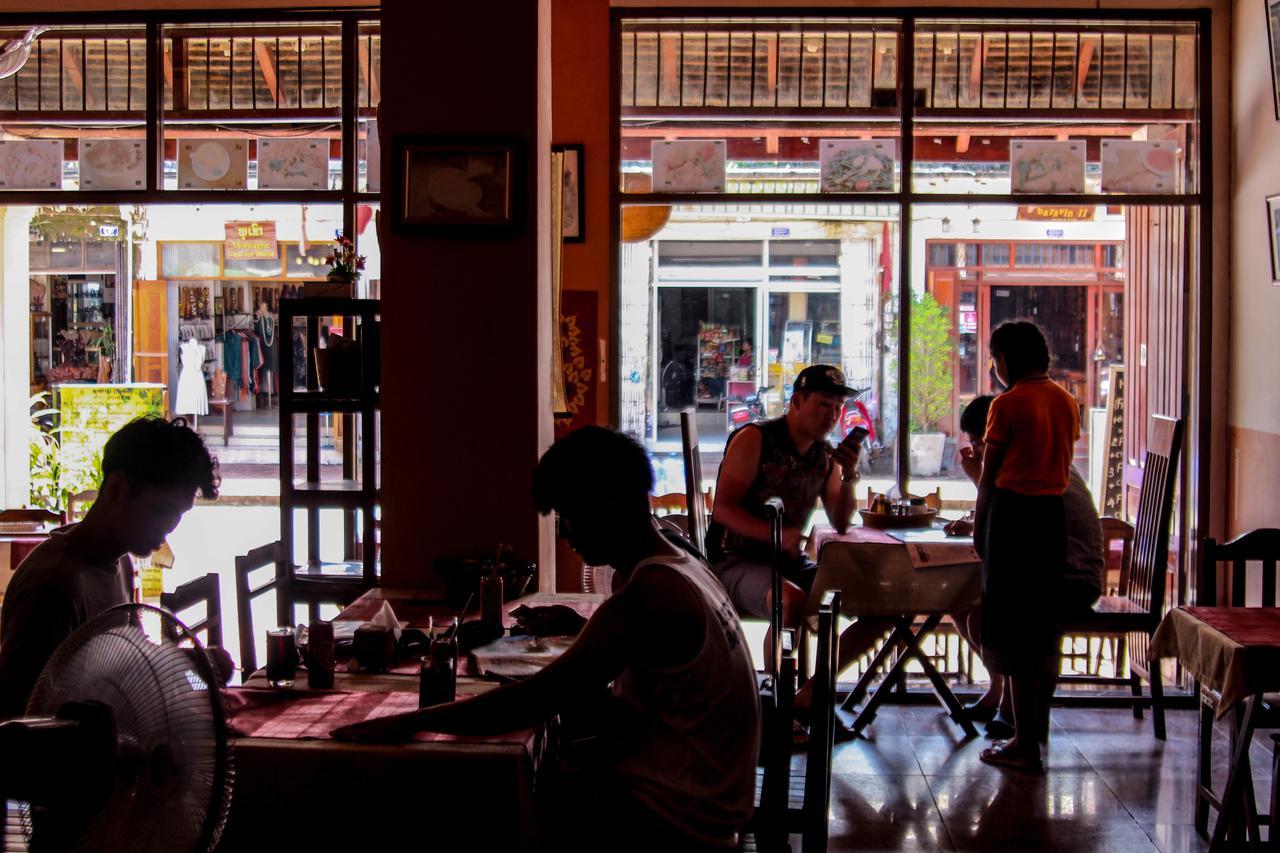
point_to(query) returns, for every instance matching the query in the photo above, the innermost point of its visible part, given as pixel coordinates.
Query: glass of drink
(282, 657)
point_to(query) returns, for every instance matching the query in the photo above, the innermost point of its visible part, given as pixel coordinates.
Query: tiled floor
(914, 783)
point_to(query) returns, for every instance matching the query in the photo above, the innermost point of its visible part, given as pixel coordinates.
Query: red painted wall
(466, 403)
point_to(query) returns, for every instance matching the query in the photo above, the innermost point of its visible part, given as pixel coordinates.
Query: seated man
(680, 772)
(787, 458)
(1082, 578)
(151, 471)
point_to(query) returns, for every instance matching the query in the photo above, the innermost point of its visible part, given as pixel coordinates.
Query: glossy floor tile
(914, 782)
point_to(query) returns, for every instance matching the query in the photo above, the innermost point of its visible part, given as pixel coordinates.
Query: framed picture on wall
(573, 226)
(1273, 233)
(457, 184)
(1273, 41)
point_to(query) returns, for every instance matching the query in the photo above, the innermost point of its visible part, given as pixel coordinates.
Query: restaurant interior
(650, 217)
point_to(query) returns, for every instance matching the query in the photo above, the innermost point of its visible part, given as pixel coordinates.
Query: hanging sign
(1056, 212)
(250, 241)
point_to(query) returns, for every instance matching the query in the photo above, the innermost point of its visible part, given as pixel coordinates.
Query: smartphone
(855, 437)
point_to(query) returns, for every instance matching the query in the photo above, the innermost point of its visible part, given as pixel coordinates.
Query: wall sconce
(977, 225)
(946, 225)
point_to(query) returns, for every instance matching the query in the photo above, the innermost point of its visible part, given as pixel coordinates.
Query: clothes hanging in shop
(241, 359)
(264, 326)
(193, 395)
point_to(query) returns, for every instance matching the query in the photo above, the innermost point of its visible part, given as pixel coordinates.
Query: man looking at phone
(787, 458)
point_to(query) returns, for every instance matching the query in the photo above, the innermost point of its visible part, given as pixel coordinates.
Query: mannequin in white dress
(193, 395)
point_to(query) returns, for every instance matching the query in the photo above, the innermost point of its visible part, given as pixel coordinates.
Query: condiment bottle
(320, 655)
(438, 676)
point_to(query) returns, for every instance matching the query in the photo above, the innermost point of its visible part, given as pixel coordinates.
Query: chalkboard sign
(1113, 474)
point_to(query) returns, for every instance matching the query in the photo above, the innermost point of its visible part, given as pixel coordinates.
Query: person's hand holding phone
(848, 452)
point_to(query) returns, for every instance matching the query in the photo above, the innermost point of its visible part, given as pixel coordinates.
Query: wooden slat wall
(1154, 281)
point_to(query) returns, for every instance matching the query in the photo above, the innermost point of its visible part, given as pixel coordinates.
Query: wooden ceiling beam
(267, 63)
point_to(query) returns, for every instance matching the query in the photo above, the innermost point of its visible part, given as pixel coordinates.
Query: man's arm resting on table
(624, 629)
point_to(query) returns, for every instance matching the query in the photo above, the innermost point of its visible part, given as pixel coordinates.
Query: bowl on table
(917, 516)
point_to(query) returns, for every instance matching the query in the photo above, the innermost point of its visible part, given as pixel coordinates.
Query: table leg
(860, 689)
(1233, 798)
(901, 634)
(940, 688)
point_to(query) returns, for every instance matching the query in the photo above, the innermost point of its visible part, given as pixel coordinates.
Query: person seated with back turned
(680, 772)
(787, 458)
(151, 472)
(1082, 574)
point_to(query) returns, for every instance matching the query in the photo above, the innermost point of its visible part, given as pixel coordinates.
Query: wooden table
(1235, 651)
(876, 577)
(424, 609)
(441, 791)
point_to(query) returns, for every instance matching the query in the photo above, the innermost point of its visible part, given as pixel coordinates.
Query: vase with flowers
(344, 264)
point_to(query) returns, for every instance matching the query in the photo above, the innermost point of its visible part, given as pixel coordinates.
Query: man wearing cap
(787, 458)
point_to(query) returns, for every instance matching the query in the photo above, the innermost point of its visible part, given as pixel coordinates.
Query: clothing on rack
(193, 395)
(265, 327)
(241, 359)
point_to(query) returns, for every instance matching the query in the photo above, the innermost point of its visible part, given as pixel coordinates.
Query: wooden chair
(201, 591)
(79, 503)
(694, 502)
(1136, 612)
(1261, 546)
(292, 590)
(1117, 567)
(777, 816)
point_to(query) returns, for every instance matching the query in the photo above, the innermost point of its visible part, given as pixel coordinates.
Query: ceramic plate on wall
(113, 164)
(213, 164)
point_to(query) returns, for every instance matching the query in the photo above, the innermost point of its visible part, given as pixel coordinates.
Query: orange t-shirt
(1037, 423)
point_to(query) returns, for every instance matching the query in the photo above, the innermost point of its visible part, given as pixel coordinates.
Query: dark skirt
(1022, 578)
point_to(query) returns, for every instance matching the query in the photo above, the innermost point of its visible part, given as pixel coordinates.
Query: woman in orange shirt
(1021, 531)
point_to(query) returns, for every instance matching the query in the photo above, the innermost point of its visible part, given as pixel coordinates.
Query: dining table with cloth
(877, 577)
(1236, 652)
(295, 786)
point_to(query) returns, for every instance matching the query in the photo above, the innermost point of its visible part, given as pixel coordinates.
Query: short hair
(1023, 346)
(588, 463)
(973, 420)
(153, 452)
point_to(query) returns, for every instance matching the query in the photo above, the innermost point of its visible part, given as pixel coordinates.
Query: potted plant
(932, 357)
(344, 264)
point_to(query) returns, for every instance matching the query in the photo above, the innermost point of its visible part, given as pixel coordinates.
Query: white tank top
(695, 762)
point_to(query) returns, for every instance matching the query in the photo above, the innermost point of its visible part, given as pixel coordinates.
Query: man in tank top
(680, 755)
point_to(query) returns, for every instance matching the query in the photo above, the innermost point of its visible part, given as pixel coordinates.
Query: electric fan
(124, 747)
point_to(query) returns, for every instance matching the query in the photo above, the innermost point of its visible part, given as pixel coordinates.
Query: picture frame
(457, 184)
(574, 225)
(1273, 45)
(1273, 235)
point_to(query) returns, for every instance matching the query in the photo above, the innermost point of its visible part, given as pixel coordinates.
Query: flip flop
(1001, 755)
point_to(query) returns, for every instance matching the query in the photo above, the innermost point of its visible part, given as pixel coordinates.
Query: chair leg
(1273, 834)
(1157, 700)
(1135, 684)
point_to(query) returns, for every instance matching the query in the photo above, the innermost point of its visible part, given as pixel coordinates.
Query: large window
(771, 217)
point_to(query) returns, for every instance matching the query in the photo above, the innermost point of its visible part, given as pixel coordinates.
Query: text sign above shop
(1056, 212)
(251, 241)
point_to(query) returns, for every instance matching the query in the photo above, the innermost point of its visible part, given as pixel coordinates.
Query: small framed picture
(457, 184)
(1273, 233)
(574, 226)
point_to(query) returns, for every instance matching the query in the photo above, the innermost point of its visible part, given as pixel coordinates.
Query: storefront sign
(108, 230)
(1054, 232)
(779, 232)
(250, 241)
(1056, 212)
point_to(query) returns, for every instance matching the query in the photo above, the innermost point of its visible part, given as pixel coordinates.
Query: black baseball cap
(824, 379)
